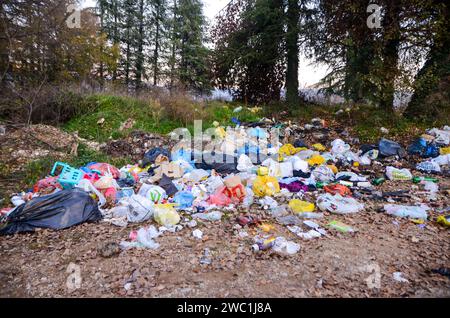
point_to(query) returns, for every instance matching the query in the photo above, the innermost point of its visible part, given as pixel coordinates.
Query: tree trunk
(293, 15)
(140, 57)
(391, 23)
(431, 96)
(156, 51)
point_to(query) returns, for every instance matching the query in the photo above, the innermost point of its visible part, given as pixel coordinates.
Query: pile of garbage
(243, 170)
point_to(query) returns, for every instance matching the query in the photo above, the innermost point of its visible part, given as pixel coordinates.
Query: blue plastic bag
(184, 199)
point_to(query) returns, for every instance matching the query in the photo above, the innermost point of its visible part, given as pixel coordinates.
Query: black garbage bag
(367, 147)
(167, 184)
(389, 148)
(59, 210)
(151, 155)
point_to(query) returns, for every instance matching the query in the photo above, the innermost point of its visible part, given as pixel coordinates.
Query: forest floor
(360, 264)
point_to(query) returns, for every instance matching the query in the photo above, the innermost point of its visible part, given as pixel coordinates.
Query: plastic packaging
(338, 204)
(184, 199)
(144, 238)
(244, 163)
(210, 216)
(428, 166)
(298, 206)
(285, 247)
(389, 148)
(197, 234)
(339, 147)
(155, 193)
(141, 208)
(398, 174)
(166, 215)
(414, 212)
(316, 160)
(304, 235)
(265, 185)
(341, 227)
(323, 173)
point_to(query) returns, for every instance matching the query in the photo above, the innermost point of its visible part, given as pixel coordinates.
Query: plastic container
(69, 176)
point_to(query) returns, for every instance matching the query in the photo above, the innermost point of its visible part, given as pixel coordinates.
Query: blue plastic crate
(69, 176)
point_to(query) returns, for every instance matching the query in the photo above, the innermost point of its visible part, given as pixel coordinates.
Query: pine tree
(193, 55)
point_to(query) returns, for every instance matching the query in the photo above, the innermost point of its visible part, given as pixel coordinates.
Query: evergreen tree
(193, 55)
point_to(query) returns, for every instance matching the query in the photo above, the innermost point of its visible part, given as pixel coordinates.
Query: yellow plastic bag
(444, 151)
(166, 215)
(299, 206)
(333, 168)
(319, 147)
(262, 171)
(316, 160)
(287, 150)
(444, 220)
(265, 185)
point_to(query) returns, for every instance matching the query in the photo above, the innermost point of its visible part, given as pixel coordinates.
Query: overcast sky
(308, 74)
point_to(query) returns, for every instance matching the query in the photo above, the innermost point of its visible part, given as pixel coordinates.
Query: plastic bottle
(378, 181)
(418, 179)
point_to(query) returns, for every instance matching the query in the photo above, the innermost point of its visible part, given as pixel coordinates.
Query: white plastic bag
(323, 173)
(398, 174)
(339, 147)
(244, 163)
(141, 208)
(414, 212)
(285, 247)
(338, 204)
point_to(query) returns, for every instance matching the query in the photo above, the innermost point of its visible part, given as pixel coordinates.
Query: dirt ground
(340, 265)
(70, 263)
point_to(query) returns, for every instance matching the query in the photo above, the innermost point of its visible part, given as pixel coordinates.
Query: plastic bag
(285, 247)
(151, 155)
(338, 204)
(104, 169)
(141, 208)
(398, 174)
(299, 206)
(196, 175)
(299, 164)
(213, 183)
(155, 193)
(339, 147)
(210, 216)
(389, 148)
(184, 199)
(316, 160)
(265, 185)
(219, 198)
(424, 149)
(144, 238)
(244, 163)
(87, 186)
(428, 166)
(286, 169)
(166, 215)
(323, 174)
(414, 212)
(59, 210)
